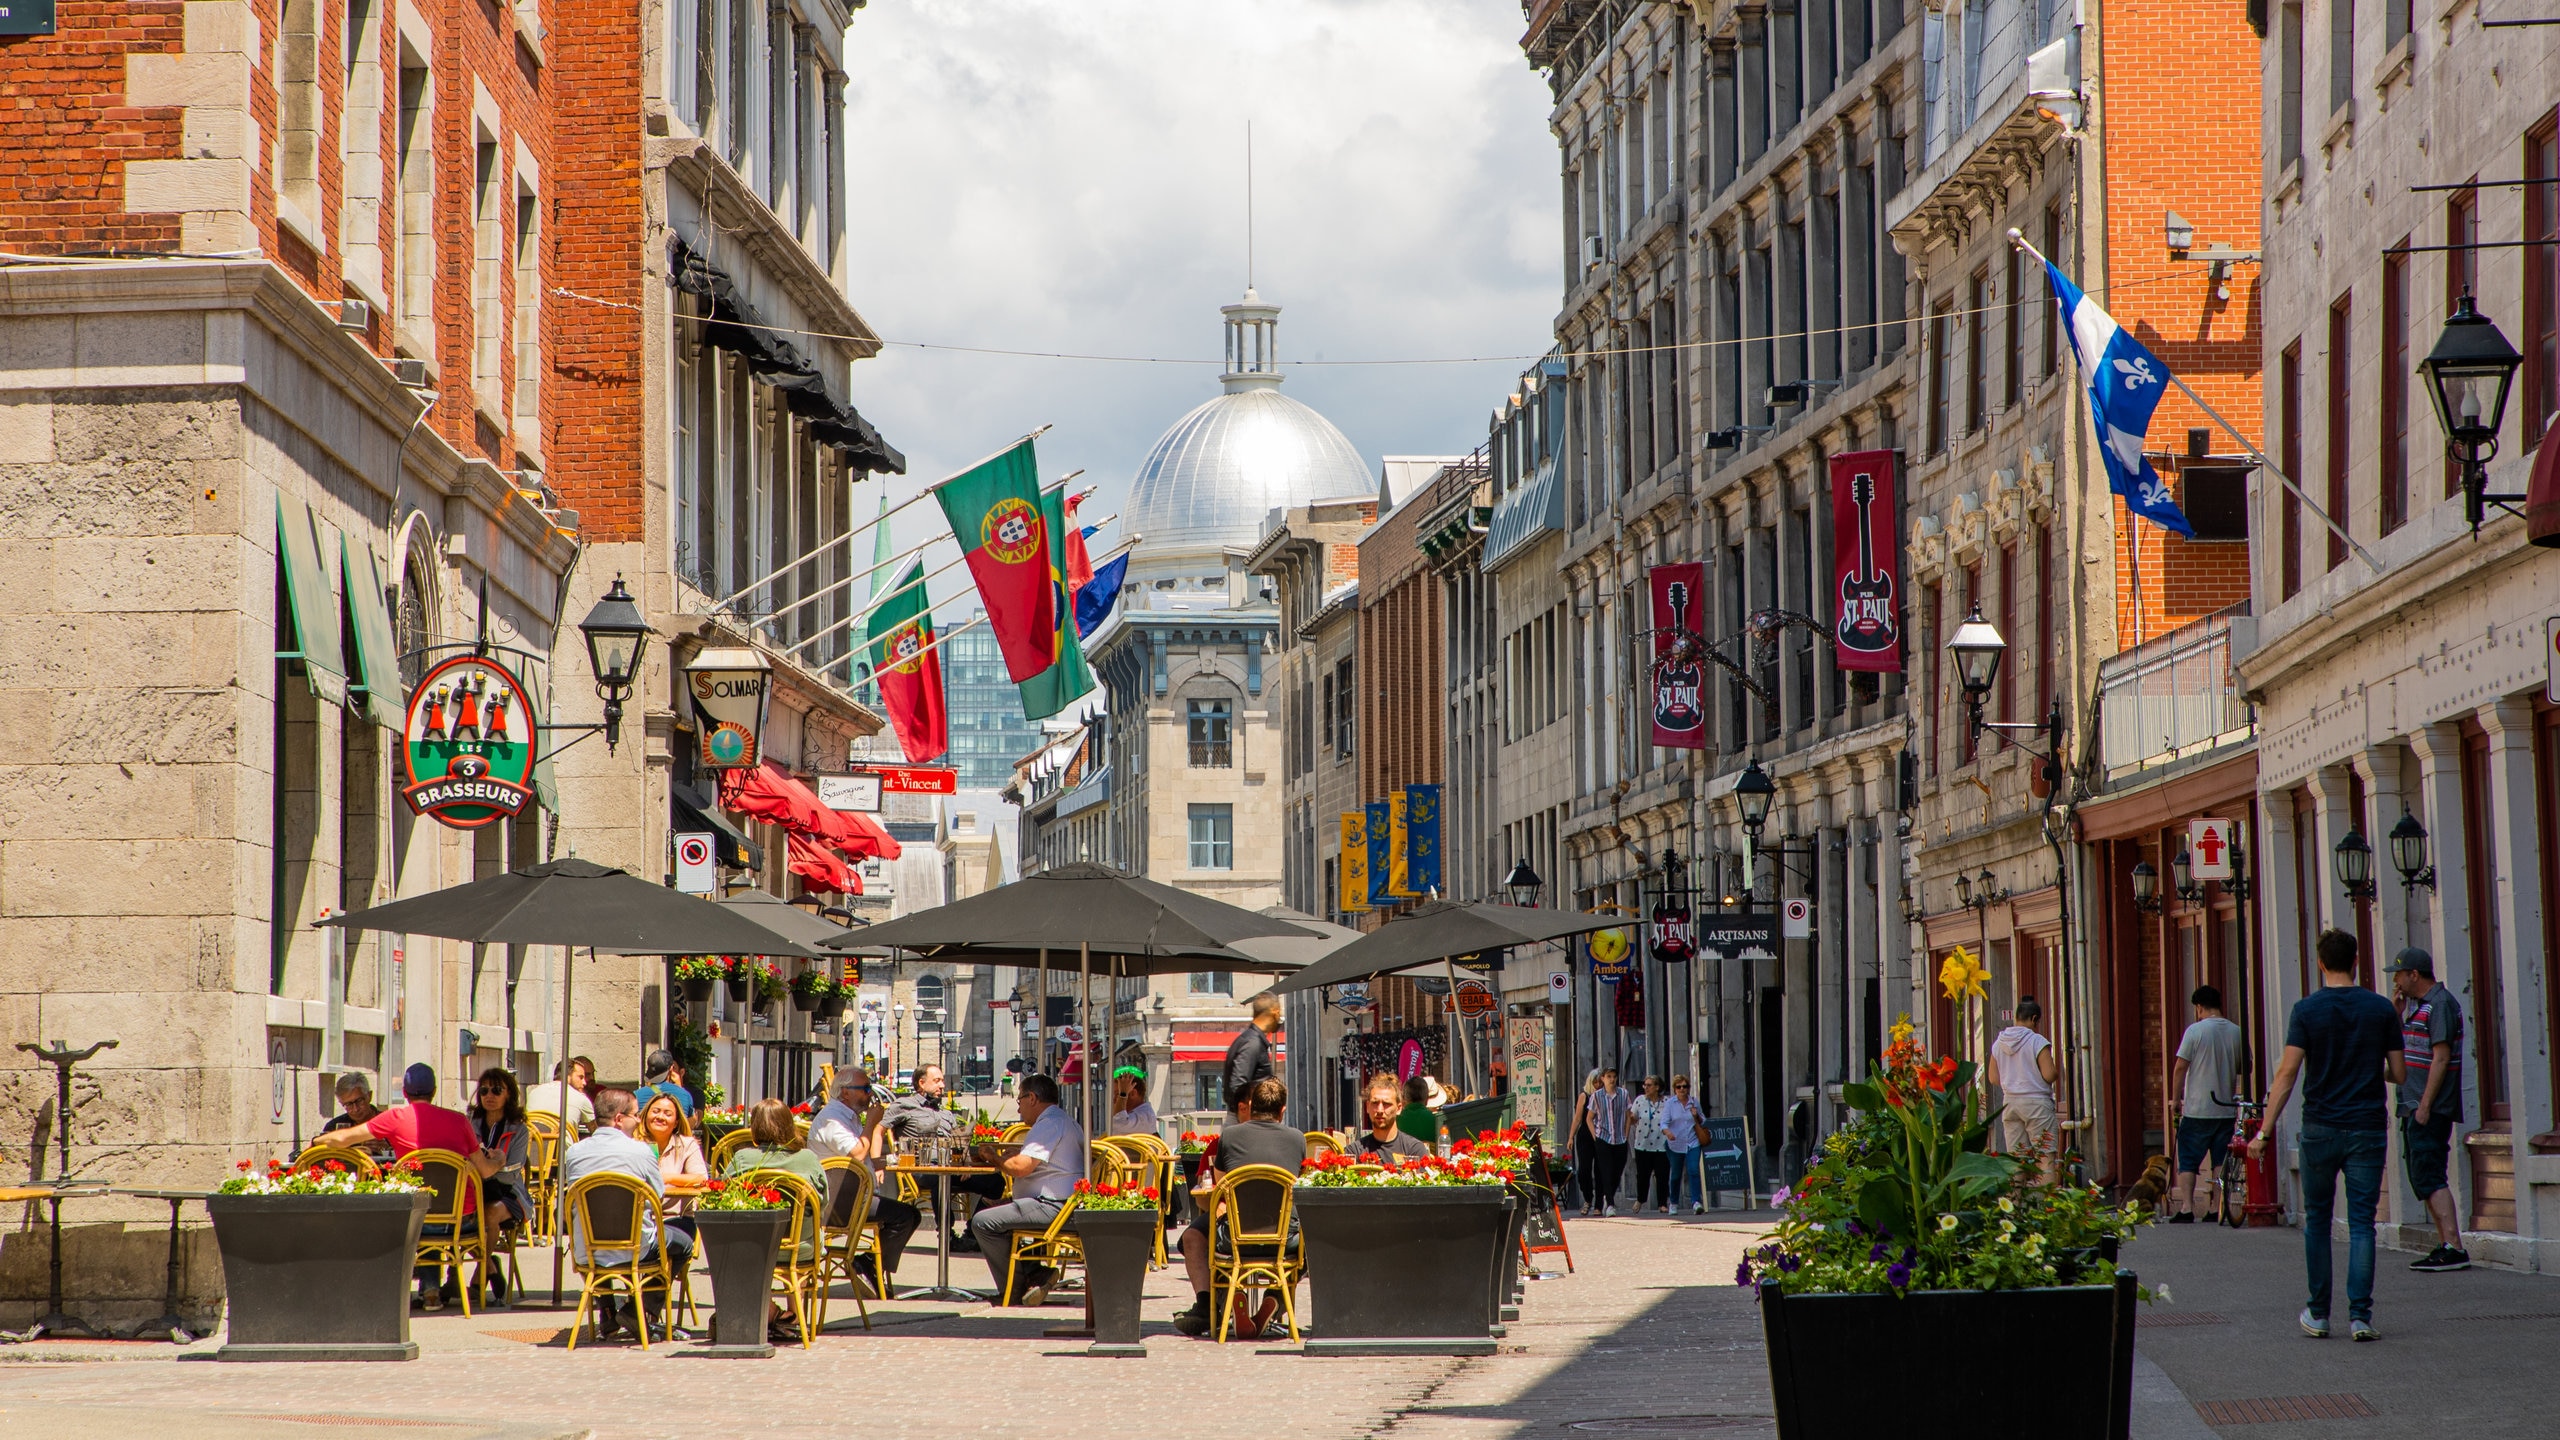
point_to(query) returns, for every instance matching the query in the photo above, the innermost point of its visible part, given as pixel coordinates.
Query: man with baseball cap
(2431, 1098)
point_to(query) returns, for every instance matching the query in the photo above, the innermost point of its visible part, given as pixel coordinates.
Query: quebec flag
(2125, 385)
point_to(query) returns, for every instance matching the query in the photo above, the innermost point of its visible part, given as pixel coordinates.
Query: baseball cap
(418, 1082)
(2412, 957)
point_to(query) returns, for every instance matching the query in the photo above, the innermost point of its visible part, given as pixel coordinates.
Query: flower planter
(1407, 1270)
(831, 1008)
(2063, 1367)
(803, 1001)
(697, 989)
(317, 1277)
(1118, 1247)
(1506, 1269)
(739, 1247)
(736, 985)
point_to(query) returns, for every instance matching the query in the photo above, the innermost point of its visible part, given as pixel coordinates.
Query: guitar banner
(1866, 493)
(1679, 675)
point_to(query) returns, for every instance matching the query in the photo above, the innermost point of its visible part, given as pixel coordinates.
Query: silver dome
(1209, 482)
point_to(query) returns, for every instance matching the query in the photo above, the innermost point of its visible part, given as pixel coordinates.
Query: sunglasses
(493, 1089)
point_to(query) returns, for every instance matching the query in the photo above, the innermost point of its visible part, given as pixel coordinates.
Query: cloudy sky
(1068, 175)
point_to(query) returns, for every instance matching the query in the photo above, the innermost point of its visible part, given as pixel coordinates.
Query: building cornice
(743, 214)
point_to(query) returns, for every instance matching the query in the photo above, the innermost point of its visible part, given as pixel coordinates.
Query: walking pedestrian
(2430, 1098)
(2206, 1078)
(2341, 1042)
(2023, 1064)
(1652, 1145)
(1683, 1125)
(1608, 1107)
(1586, 1151)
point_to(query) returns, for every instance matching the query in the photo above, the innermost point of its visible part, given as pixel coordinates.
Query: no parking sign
(695, 872)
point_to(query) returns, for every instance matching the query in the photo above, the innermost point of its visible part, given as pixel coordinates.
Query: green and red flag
(907, 669)
(1009, 538)
(1062, 684)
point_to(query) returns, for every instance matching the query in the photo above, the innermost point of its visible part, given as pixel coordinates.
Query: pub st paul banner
(1679, 605)
(1866, 563)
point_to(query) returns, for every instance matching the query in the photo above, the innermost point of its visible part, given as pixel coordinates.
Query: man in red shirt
(419, 1125)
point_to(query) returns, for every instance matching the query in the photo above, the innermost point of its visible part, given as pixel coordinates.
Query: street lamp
(1977, 649)
(1753, 792)
(617, 635)
(2408, 841)
(2183, 872)
(2146, 888)
(1523, 883)
(1964, 890)
(2469, 373)
(2352, 859)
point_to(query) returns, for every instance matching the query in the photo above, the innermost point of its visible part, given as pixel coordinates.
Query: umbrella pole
(1084, 1034)
(1040, 1018)
(1461, 1056)
(568, 1137)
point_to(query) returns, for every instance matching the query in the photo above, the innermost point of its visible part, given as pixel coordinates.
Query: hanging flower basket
(809, 988)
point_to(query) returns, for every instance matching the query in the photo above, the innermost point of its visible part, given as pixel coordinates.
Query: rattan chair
(318, 1158)
(1241, 1256)
(612, 1212)
(1015, 1132)
(541, 1176)
(841, 1247)
(452, 1232)
(1147, 1164)
(1056, 1246)
(1323, 1142)
(727, 1146)
(803, 1281)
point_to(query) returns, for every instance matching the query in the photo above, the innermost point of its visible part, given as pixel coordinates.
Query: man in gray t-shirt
(2207, 1081)
(1257, 1139)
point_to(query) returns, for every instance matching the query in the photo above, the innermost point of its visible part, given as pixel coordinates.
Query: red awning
(768, 792)
(823, 869)
(1208, 1046)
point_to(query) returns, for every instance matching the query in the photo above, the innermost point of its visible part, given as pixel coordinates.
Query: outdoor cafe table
(942, 1289)
(53, 1321)
(169, 1323)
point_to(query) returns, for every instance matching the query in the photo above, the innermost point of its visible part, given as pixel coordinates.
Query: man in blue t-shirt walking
(2342, 1042)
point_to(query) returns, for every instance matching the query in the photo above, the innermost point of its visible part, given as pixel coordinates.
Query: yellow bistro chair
(1241, 1255)
(841, 1247)
(452, 1232)
(1323, 1142)
(1057, 1247)
(613, 1212)
(727, 1146)
(541, 1176)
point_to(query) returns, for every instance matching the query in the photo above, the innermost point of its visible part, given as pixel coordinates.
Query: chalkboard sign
(1544, 1229)
(1727, 1156)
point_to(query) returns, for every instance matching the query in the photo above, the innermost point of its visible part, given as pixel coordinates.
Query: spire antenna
(1248, 204)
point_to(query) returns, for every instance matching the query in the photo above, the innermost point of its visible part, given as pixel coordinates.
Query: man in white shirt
(2206, 1079)
(1044, 1173)
(615, 1150)
(1130, 1112)
(567, 1100)
(2024, 1067)
(852, 1125)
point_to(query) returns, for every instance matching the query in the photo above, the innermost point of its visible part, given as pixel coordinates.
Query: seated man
(616, 1149)
(922, 1115)
(421, 1124)
(565, 1097)
(1385, 1140)
(1130, 1112)
(661, 1075)
(356, 1107)
(1259, 1139)
(851, 1125)
(1044, 1173)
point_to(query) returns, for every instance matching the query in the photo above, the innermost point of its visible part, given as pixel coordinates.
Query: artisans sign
(468, 744)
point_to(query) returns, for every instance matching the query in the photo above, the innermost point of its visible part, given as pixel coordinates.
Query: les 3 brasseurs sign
(468, 745)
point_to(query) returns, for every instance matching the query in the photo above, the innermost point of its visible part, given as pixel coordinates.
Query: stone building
(2400, 671)
(252, 468)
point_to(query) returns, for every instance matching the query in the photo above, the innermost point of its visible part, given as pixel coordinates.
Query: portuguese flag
(1010, 540)
(908, 671)
(1062, 684)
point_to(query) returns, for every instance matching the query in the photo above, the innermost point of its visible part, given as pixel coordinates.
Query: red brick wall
(65, 131)
(2181, 124)
(599, 232)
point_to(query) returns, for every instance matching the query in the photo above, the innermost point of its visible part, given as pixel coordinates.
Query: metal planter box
(317, 1277)
(1403, 1271)
(2064, 1366)
(1119, 1245)
(740, 1247)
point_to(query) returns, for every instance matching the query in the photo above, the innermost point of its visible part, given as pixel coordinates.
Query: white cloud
(1067, 175)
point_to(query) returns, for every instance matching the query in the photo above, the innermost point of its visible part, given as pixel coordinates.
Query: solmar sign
(468, 747)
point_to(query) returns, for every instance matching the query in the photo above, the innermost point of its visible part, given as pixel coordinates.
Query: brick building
(273, 398)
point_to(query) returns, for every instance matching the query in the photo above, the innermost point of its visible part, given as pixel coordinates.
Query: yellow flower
(1946, 1223)
(1902, 1028)
(2005, 1205)
(1962, 976)
(2008, 1229)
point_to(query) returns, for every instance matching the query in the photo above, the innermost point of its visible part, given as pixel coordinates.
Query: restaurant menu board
(1727, 1155)
(1544, 1229)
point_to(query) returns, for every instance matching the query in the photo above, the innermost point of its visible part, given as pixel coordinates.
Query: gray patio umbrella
(796, 925)
(1443, 930)
(1290, 952)
(1139, 926)
(577, 902)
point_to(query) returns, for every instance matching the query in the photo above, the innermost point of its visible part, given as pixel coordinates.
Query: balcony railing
(2173, 696)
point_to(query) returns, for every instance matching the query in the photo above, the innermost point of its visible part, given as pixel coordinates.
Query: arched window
(930, 995)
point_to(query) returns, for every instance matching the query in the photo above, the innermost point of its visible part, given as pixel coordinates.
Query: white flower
(1946, 1223)
(2164, 1296)
(2005, 1206)
(2008, 1229)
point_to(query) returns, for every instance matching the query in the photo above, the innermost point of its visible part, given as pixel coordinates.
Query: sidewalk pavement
(1647, 1335)
(2460, 1354)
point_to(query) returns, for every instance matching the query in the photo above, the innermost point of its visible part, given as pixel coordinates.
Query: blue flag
(2125, 382)
(1422, 839)
(1381, 853)
(1096, 596)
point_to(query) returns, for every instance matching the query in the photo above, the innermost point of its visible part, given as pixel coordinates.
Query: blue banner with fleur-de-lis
(1381, 853)
(2125, 383)
(1422, 839)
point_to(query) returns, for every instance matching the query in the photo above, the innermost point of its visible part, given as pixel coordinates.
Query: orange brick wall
(65, 131)
(2181, 125)
(598, 240)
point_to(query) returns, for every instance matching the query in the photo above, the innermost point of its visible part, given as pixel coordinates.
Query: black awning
(734, 325)
(694, 810)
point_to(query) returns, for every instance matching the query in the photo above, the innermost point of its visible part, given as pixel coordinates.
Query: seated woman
(664, 1126)
(497, 1118)
(775, 1145)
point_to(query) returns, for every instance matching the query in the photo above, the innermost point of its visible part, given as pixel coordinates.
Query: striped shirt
(1608, 1115)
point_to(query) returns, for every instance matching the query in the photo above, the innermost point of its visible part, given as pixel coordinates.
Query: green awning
(313, 605)
(383, 699)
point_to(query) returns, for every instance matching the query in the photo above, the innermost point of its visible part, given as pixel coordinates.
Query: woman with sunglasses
(1681, 1127)
(497, 1118)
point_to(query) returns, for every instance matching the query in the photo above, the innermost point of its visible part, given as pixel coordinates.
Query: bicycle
(2234, 1179)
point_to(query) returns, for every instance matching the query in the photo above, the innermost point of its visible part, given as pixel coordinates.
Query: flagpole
(848, 580)
(2019, 240)
(920, 652)
(769, 577)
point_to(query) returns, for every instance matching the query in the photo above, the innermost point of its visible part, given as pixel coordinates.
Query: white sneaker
(2315, 1326)
(1696, 1208)
(1609, 1209)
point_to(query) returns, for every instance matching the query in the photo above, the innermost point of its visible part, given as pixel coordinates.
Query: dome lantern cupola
(1253, 344)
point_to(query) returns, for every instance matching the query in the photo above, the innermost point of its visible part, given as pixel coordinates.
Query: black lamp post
(1523, 883)
(2182, 872)
(617, 636)
(2469, 373)
(2237, 887)
(2408, 841)
(1978, 649)
(2352, 859)
(2146, 888)
(1753, 792)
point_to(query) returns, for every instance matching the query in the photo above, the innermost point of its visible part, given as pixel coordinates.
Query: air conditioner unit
(411, 373)
(354, 315)
(1595, 250)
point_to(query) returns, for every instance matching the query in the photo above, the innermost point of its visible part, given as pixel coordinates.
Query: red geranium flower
(244, 1166)
(1084, 1187)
